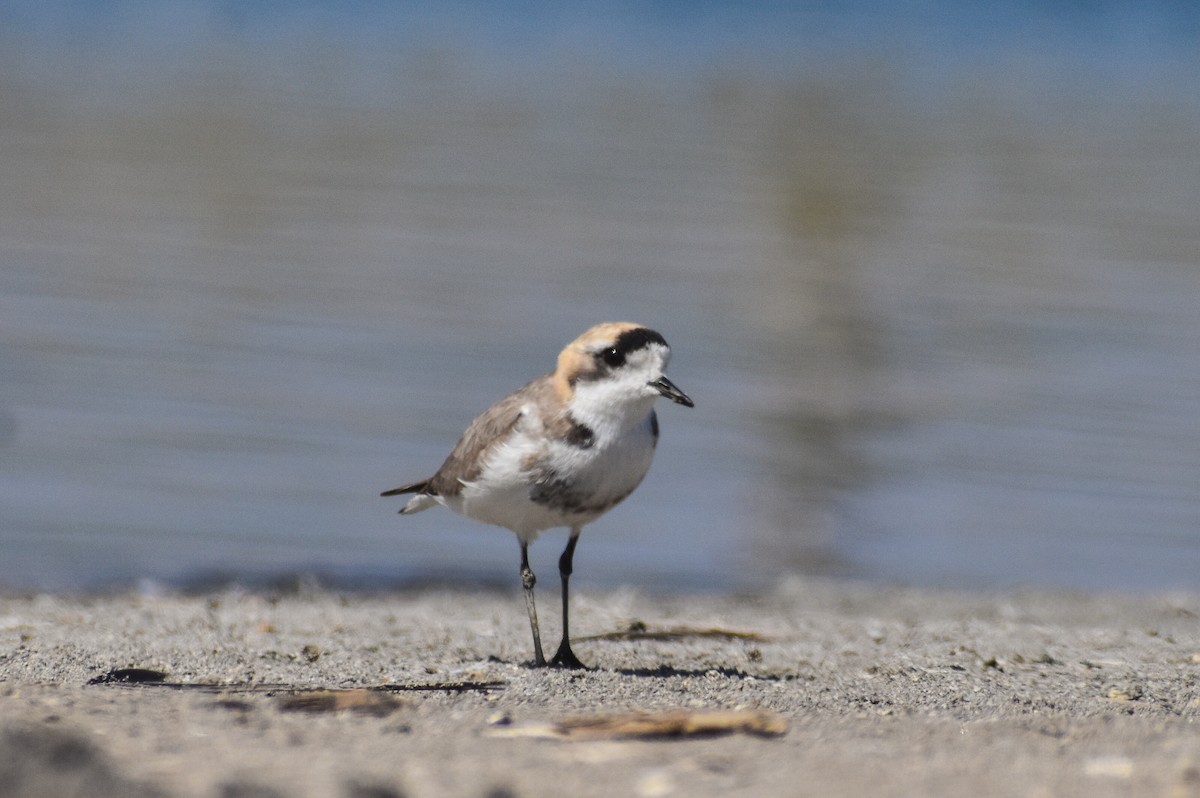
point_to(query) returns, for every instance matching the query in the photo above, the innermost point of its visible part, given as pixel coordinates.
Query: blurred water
(935, 292)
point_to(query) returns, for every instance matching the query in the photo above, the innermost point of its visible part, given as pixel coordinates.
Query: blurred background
(931, 272)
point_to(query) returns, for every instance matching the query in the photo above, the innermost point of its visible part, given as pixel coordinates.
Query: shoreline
(893, 691)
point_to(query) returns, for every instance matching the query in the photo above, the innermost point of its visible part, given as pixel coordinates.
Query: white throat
(610, 408)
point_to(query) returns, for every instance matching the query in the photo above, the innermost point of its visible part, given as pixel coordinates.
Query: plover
(561, 451)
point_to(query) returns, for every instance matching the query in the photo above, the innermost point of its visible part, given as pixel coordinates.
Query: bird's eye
(612, 356)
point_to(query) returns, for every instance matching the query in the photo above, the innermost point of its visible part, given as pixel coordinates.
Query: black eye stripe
(629, 341)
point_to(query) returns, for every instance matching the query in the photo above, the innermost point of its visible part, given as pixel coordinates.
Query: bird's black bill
(668, 389)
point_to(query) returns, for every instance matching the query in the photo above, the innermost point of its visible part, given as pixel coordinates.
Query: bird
(559, 452)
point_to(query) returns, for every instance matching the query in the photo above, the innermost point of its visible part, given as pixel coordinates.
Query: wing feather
(491, 428)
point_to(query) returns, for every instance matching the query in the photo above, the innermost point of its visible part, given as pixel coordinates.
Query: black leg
(565, 658)
(528, 580)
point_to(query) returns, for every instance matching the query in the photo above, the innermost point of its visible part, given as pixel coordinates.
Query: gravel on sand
(811, 688)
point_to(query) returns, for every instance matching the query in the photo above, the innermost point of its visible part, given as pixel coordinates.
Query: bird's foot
(565, 658)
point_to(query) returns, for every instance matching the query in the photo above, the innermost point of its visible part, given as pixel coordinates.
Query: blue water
(930, 275)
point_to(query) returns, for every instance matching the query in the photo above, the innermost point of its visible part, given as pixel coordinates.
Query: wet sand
(883, 691)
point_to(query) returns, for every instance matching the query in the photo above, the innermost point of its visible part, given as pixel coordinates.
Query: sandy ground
(884, 691)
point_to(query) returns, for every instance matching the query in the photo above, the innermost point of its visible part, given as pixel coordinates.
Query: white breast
(589, 480)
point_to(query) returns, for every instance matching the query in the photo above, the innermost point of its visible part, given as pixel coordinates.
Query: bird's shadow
(657, 672)
(669, 671)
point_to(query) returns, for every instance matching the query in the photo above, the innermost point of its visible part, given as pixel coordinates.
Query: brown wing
(465, 462)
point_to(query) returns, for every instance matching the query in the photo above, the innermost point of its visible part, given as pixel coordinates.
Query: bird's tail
(422, 501)
(413, 487)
